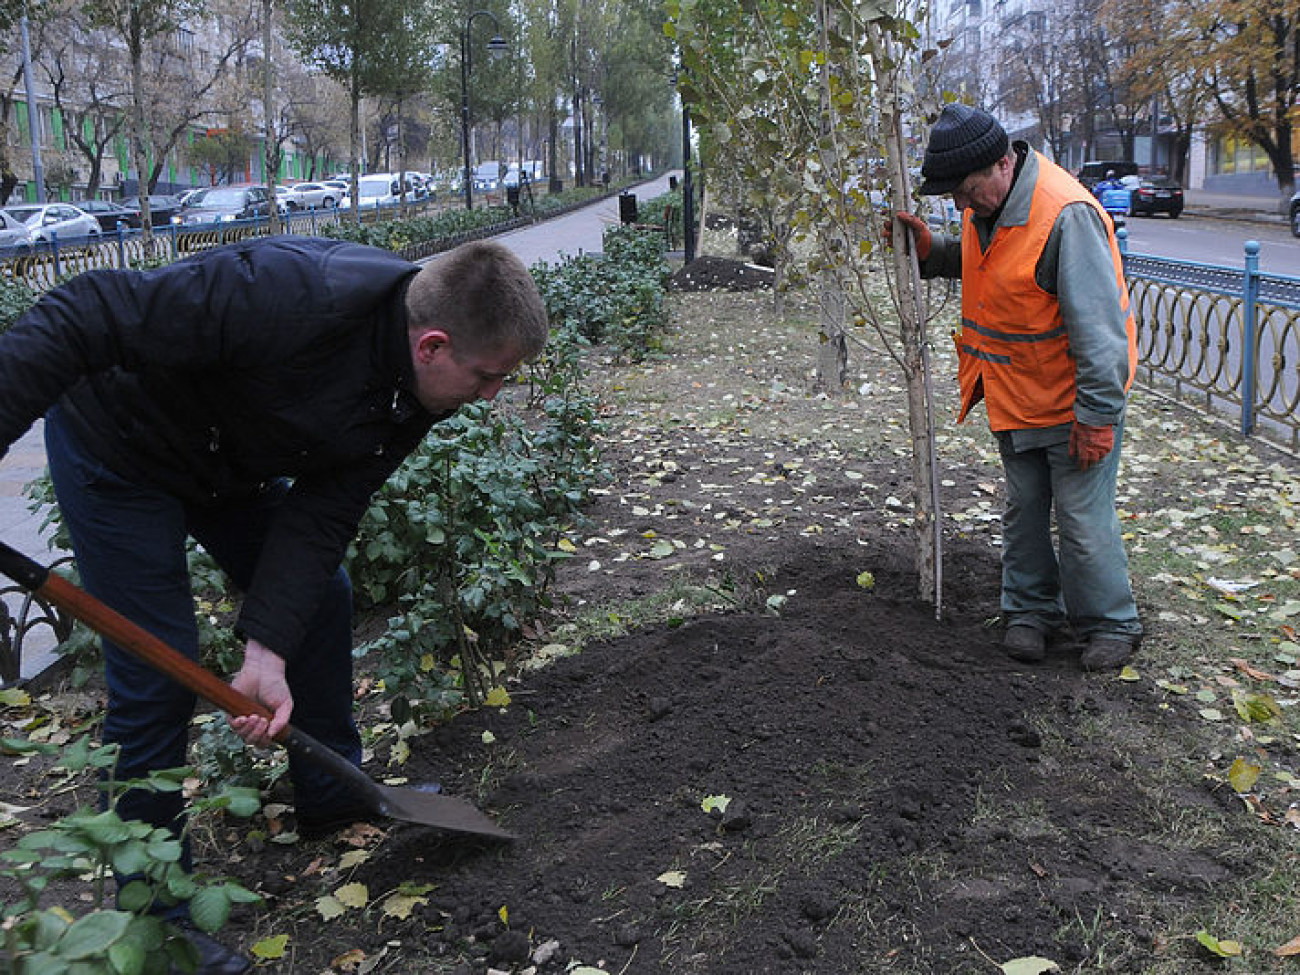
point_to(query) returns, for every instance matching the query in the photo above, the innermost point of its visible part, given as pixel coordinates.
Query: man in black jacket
(253, 397)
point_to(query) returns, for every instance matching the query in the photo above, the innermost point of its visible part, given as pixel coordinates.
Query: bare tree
(1034, 74)
(1254, 70)
(87, 79)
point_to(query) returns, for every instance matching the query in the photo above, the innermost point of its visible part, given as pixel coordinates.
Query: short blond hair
(482, 296)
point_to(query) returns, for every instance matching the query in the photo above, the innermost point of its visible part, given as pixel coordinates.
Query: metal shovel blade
(409, 804)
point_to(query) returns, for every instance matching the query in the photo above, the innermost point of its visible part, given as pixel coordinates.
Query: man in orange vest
(1049, 343)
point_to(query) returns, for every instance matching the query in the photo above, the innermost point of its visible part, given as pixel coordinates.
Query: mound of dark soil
(708, 273)
(871, 757)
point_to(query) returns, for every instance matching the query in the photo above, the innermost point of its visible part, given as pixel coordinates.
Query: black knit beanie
(963, 141)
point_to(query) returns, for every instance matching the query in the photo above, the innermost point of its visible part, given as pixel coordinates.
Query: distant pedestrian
(1049, 342)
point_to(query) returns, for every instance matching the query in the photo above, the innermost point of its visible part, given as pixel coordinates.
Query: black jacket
(281, 357)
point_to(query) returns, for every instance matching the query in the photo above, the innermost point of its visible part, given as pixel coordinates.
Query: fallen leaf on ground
(400, 906)
(1250, 671)
(353, 895)
(271, 948)
(1290, 949)
(1221, 949)
(1029, 966)
(348, 960)
(720, 803)
(1243, 775)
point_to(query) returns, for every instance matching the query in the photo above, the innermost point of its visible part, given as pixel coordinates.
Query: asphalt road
(1208, 240)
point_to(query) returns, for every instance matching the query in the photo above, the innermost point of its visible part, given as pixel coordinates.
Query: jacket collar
(1014, 211)
(1015, 208)
(395, 367)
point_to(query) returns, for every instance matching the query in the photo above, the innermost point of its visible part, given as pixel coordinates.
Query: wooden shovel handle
(127, 635)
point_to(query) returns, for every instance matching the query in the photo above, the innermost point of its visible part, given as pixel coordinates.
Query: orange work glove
(1089, 444)
(920, 232)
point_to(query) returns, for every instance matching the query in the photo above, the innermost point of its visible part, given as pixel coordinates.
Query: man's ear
(427, 344)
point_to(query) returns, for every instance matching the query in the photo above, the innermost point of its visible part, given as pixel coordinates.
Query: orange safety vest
(1013, 349)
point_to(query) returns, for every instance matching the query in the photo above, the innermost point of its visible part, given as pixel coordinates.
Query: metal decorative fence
(1224, 338)
(43, 264)
(15, 625)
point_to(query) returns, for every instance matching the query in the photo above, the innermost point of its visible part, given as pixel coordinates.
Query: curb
(1237, 215)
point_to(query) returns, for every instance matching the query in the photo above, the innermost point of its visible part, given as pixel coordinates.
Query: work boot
(1028, 644)
(1108, 651)
(214, 957)
(317, 824)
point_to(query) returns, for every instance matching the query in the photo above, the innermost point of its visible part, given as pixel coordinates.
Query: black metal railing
(1223, 337)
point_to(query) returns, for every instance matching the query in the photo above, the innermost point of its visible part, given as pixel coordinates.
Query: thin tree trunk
(140, 127)
(355, 136)
(915, 357)
(833, 348)
(270, 161)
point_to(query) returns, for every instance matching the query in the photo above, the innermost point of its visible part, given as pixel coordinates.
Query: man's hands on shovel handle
(262, 678)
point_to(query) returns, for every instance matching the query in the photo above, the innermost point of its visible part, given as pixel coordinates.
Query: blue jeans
(1087, 583)
(129, 540)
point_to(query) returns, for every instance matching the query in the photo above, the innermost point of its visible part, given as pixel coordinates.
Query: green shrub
(654, 210)
(93, 845)
(464, 536)
(15, 298)
(616, 299)
(451, 225)
(396, 235)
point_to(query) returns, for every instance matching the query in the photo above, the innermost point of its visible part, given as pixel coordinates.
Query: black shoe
(1108, 651)
(1028, 644)
(214, 957)
(317, 824)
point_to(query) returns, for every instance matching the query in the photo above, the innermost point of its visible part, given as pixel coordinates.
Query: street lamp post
(496, 47)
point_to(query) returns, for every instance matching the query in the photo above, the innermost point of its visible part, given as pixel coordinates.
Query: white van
(380, 189)
(487, 175)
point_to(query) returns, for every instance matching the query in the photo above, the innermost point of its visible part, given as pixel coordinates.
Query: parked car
(1155, 194)
(43, 221)
(221, 204)
(487, 176)
(1295, 214)
(108, 213)
(379, 189)
(423, 184)
(162, 207)
(1094, 172)
(311, 196)
(13, 233)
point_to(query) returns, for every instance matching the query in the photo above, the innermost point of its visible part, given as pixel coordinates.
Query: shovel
(409, 804)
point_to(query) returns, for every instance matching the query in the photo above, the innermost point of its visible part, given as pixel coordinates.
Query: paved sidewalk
(20, 528)
(577, 232)
(1252, 209)
(567, 236)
